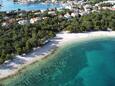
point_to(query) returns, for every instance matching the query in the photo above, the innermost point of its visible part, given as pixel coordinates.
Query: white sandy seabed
(10, 68)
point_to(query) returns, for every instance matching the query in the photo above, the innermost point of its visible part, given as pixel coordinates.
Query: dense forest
(96, 1)
(93, 22)
(19, 39)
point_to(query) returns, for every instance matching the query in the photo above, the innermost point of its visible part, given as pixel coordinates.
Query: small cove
(9, 5)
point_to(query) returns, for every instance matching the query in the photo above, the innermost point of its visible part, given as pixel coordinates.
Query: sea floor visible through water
(87, 63)
(9, 5)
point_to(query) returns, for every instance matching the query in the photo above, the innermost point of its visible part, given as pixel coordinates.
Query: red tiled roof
(113, 9)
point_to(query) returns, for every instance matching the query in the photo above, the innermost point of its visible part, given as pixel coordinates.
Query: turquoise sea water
(8, 5)
(88, 63)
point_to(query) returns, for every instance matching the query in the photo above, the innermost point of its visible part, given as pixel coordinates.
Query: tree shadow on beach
(52, 44)
(13, 64)
(10, 64)
(1, 84)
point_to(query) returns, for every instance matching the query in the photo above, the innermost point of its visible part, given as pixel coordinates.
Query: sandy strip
(10, 68)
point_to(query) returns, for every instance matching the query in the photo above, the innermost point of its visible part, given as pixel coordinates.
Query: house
(74, 14)
(52, 12)
(67, 15)
(44, 17)
(68, 7)
(83, 13)
(23, 22)
(5, 18)
(109, 1)
(105, 8)
(88, 7)
(60, 16)
(12, 21)
(37, 13)
(34, 20)
(113, 8)
(4, 24)
(95, 8)
(26, 1)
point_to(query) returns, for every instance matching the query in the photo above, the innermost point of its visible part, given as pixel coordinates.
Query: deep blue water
(8, 5)
(88, 63)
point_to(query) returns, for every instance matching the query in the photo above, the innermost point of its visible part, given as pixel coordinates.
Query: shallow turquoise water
(8, 5)
(88, 63)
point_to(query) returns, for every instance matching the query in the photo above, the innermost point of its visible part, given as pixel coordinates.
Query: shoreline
(11, 68)
(27, 6)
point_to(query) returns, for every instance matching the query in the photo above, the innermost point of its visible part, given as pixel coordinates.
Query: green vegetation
(96, 1)
(22, 39)
(19, 39)
(93, 22)
(106, 5)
